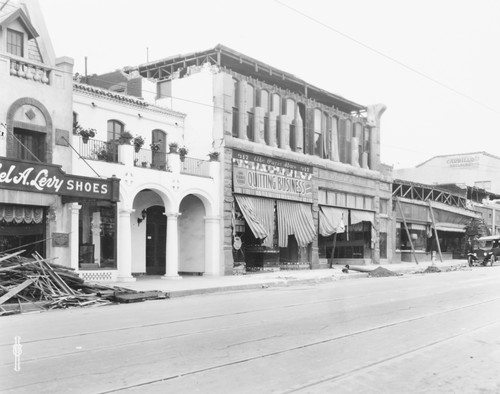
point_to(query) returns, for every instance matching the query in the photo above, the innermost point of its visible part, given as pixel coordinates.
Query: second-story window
(15, 42)
(235, 128)
(115, 128)
(29, 145)
(318, 140)
(250, 103)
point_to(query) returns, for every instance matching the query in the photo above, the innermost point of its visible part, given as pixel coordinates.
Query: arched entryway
(192, 236)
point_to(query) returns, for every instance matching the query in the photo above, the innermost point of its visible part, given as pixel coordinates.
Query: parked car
(484, 250)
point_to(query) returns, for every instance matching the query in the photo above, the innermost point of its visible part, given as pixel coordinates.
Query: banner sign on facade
(269, 177)
(51, 179)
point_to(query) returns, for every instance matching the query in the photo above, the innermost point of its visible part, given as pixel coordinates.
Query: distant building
(476, 169)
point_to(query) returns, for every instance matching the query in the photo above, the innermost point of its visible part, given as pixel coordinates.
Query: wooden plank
(11, 255)
(16, 290)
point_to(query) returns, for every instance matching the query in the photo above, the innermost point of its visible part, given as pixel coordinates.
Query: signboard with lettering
(51, 179)
(269, 177)
(463, 161)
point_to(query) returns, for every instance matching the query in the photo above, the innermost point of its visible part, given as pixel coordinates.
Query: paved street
(435, 333)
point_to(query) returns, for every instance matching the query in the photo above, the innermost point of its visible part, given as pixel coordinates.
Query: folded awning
(362, 216)
(331, 220)
(259, 214)
(450, 227)
(295, 219)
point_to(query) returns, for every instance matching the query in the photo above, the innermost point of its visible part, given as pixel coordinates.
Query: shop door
(156, 235)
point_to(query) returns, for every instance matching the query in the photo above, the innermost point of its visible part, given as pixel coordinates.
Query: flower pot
(85, 139)
(137, 149)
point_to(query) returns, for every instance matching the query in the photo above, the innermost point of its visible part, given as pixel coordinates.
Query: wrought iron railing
(193, 166)
(99, 150)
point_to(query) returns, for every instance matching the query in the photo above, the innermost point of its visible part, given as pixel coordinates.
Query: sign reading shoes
(269, 177)
(49, 178)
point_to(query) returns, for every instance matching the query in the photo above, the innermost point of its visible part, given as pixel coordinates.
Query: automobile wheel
(470, 261)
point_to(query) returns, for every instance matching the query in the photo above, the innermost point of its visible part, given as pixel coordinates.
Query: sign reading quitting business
(51, 179)
(268, 177)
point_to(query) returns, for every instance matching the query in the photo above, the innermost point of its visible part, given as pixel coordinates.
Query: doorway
(156, 236)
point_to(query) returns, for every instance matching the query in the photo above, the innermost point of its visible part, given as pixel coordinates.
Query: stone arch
(46, 128)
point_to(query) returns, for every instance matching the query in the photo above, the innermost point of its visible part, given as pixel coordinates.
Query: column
(75, 246)
(374, 113)
(212, 245)
(242, 110)
(172, 252)
(124, 252)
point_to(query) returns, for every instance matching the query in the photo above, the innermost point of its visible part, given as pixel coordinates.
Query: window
(15, 42)
(115, 128)
(384, 207)
(163, 89)
(263, 100)
(97, 249)
(418, 234)
(250, 100)
(159, 157)
(318, 141)
(486, 185)
(275, 103)
(29, 145)
(235, 129)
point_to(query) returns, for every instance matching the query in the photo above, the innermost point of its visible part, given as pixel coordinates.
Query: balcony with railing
(114, 153)
(29, 70)
(191, 166)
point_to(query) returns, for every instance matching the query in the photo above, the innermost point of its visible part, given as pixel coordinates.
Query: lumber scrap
(11, 293)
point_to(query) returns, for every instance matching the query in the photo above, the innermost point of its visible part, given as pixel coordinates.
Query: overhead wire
(388, 57)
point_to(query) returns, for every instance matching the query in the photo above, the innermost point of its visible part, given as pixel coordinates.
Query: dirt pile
(381, 272)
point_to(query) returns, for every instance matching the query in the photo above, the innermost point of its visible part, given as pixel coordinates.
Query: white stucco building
(167, 218)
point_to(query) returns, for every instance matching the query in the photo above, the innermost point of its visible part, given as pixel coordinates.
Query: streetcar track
(198, 318)
(316, 343)
(387, 359)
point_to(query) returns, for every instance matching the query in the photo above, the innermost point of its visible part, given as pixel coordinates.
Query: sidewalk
(192, 285)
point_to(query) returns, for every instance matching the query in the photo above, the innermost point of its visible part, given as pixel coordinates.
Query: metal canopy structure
(416, 191)
(222, 56)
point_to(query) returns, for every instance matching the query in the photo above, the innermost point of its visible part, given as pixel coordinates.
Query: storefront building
(35, 123)
(303, 181)
(430, 221)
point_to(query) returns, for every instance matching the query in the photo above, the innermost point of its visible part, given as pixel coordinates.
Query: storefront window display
(418, 234)
(97, 235)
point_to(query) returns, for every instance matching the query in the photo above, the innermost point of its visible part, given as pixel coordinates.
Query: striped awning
(259, 214)
(331, 220)
(295, 219)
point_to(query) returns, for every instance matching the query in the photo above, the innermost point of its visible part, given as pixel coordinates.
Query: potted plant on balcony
(138, 142)
(173, 146)
(125, 138)
(155, 146)
(213, 156)
(86, 134)
(183, 151)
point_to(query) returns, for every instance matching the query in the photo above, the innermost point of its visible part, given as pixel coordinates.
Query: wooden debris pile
(37, 284)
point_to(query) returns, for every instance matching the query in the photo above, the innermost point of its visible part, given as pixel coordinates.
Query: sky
(435, 64)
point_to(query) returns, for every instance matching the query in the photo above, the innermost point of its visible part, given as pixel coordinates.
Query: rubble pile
(37, 284)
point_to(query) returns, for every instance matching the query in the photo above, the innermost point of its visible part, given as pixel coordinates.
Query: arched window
(115, 128)
(318, 140)
(159, 156)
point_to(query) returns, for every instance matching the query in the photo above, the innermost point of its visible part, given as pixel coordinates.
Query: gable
(20, 17)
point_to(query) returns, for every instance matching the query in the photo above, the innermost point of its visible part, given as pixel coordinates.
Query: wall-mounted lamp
(143, 216)
(93, 104)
